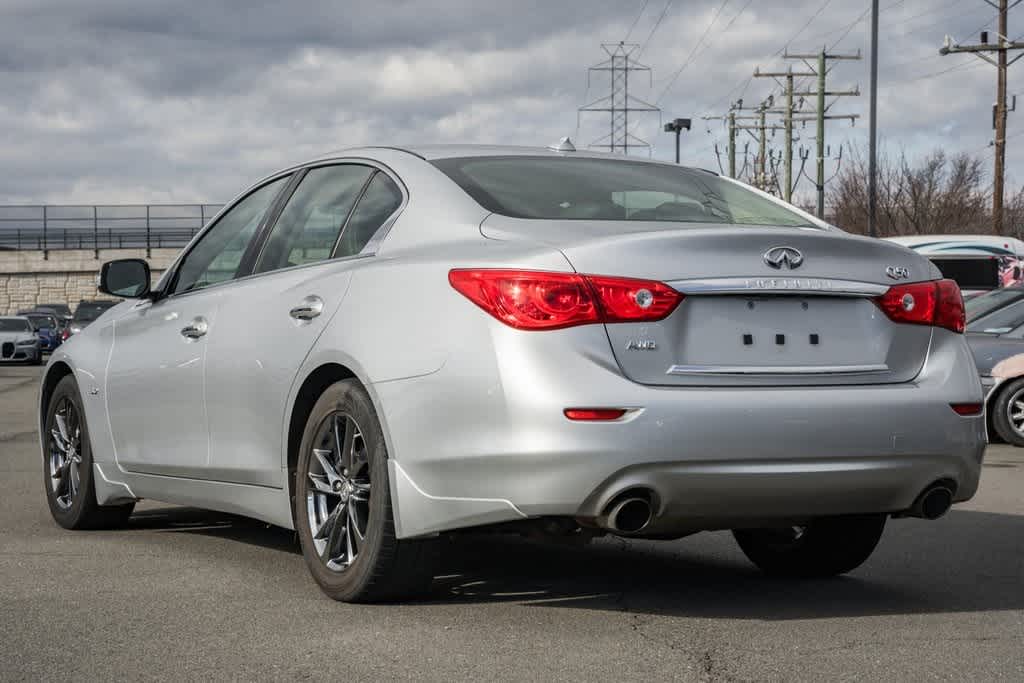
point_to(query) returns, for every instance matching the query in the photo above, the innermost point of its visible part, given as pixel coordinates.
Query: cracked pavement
(189, 594)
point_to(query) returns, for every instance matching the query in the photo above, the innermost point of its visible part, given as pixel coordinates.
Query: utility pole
(787, 119)
(873, 128)
(759, 130)
(619, 104)
(732, 144)
(1002, 46)
(677, 126)
(822, 115)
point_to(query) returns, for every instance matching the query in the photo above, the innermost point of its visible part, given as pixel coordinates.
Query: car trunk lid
(764, 305)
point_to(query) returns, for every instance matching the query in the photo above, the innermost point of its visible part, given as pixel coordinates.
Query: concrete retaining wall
(67, 276)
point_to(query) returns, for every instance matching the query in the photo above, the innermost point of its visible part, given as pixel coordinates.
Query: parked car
(18, 342)
(46, 328)
(978, 263)
(995, 326)
(385, 346)
(62, 311)
(86, 312)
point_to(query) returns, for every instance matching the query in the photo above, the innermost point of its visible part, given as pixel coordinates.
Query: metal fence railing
(139, 226)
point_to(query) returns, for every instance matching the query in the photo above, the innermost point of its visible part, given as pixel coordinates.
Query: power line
(654, 28)
(693, 51)
(637, 19)
(803, 28)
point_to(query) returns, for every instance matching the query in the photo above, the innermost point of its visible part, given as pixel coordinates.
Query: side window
(217, 256)
(381, 199)
(309, 225)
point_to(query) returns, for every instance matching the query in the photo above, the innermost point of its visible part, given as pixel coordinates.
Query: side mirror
(126, 278)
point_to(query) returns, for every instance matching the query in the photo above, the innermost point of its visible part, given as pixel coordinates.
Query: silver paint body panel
(471, 409)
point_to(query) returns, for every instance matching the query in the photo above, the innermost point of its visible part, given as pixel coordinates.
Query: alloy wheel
(1015, 411)
(338, 500)
(65, 453)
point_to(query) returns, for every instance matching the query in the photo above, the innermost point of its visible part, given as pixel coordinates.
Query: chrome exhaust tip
(630, 515)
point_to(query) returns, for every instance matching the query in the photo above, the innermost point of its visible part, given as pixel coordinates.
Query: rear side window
(582, 188)
(310, 224)
(381, 199)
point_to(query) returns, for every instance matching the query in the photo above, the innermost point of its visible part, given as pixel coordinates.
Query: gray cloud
(143, 101)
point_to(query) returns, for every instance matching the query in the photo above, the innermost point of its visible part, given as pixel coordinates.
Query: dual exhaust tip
(631, 514)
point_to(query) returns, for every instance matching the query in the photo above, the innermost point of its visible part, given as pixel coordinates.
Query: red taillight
(627, 300)
(594, 414)
(937, 303)
(966, 409)
(539, 300)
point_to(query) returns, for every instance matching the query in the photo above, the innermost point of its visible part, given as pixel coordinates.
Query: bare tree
(939, 194)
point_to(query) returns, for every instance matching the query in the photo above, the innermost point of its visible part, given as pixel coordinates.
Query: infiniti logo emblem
(777, 257)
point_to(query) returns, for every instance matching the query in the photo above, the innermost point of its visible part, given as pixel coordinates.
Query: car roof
(431, 152)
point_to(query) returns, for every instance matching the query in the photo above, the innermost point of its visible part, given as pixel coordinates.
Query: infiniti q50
(386, 346)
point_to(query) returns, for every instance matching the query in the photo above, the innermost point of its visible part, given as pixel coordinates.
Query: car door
(156, 388)
(267, 327)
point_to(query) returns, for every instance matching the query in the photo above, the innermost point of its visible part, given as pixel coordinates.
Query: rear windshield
(41, 321)
(14, 325)
(610, 190)
(89, 312)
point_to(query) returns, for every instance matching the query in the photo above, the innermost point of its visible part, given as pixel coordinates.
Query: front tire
(67, 465)
(1008, 413)
(343, 509)
(825, 547)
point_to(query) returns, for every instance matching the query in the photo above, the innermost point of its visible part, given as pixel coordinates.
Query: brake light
(540, 300)
(937, 303)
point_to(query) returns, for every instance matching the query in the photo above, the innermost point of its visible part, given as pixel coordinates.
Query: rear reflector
(966, 409)
(938, 303)
(541, 300)
(594, 414)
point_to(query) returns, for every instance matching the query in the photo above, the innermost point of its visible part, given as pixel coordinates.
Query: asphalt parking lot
(188, 594)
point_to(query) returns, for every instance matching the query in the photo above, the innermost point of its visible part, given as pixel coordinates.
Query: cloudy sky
(106, 101)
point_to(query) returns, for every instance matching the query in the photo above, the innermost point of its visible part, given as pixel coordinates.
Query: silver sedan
(385, 346)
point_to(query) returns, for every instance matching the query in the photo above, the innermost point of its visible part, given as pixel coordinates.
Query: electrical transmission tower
(618, 102)
(1002, 47)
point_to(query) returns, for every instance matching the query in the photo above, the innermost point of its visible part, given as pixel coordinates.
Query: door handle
(311, 307)
(195, 329)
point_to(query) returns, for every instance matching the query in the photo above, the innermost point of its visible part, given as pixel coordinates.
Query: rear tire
(344, 484)
(72, 495)
(1004, 407)
(826, 547)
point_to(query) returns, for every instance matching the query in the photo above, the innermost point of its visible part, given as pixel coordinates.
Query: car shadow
(966, 562)
(189, 520)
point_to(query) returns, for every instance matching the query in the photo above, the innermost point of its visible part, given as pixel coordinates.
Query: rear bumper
(478, 443)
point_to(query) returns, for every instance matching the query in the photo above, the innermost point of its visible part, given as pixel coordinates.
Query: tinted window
(14, 325)
(59, 309)
(89, 311)
(311, 221)
(39, 322)
(381, 199)
(610, 189)
(218, 254)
